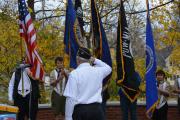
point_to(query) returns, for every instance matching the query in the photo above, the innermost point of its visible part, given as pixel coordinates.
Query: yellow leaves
(66, 60)
(50, 43)
(58, 12)
(10, 45)
(175, 56)
(142, 87)
(49, 40)
(174, 24)
(140, 67)
(166, 24)
(101, 1)
(161, 18)
(30, 10)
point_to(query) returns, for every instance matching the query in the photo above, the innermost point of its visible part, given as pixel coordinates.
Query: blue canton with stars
(23, 11)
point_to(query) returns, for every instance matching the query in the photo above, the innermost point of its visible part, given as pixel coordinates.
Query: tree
(31, 7)
(167, 29)
(9, 49)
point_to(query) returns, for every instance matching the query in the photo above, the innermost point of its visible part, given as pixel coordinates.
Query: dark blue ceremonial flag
(124, 59)
(73, 37)
(100, 43)
(151, 83)
(79, 13)
(66, 33)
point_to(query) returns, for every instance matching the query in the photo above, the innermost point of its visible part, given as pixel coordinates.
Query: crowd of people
(77, 95)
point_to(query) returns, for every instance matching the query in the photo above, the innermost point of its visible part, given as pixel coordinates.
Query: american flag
(28, 33)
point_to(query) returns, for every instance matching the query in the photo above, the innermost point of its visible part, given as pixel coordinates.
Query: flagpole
(93, 42)
(22, 62)
(147, 6)
(93, 38)
(63, 44)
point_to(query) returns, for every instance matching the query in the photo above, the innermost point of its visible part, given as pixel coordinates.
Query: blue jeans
(127, 106)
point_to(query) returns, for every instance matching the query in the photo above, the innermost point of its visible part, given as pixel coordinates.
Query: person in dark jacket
(126, 105)
(23, 92)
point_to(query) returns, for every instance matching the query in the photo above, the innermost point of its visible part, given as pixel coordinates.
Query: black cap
(84, 53)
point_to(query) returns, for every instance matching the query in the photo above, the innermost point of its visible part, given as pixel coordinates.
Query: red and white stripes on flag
(28, 33)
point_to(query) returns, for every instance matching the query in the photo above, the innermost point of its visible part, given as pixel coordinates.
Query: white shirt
(26, 85)
(177, 86)
(179, 82)
(84, 85)
(59, 89)
(162, 99)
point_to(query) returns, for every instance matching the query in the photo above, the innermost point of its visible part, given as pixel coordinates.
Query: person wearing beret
(84, 88)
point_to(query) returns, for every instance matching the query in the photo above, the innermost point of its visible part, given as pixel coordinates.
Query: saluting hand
(92, 59)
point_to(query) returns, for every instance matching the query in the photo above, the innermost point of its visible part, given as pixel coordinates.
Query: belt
(91, 104)
(24, 90)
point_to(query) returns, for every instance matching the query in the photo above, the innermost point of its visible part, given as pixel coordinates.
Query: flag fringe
(151, 109)
(131, 99)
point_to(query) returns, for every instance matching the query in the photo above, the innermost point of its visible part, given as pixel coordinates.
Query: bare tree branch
(137, 12)
(49, 17)
(49, 10)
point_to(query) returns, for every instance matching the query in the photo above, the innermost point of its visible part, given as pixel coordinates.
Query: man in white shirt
(84, 88)
(58, 79)
(23, 91)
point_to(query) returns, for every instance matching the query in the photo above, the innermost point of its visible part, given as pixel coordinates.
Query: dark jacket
(35, 86)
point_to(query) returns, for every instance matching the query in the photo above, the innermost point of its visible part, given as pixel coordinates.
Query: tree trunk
(31, 6)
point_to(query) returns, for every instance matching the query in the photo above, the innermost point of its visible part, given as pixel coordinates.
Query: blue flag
(66, 33)
(100, 43)
(73, 36)
(151, 83)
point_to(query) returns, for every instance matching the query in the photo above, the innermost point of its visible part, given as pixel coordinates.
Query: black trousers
(161, 114)
(25, 104)
(128, 107)
(91, 111)
(179, 105)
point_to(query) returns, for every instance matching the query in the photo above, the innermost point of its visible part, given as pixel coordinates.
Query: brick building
(114, 111)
